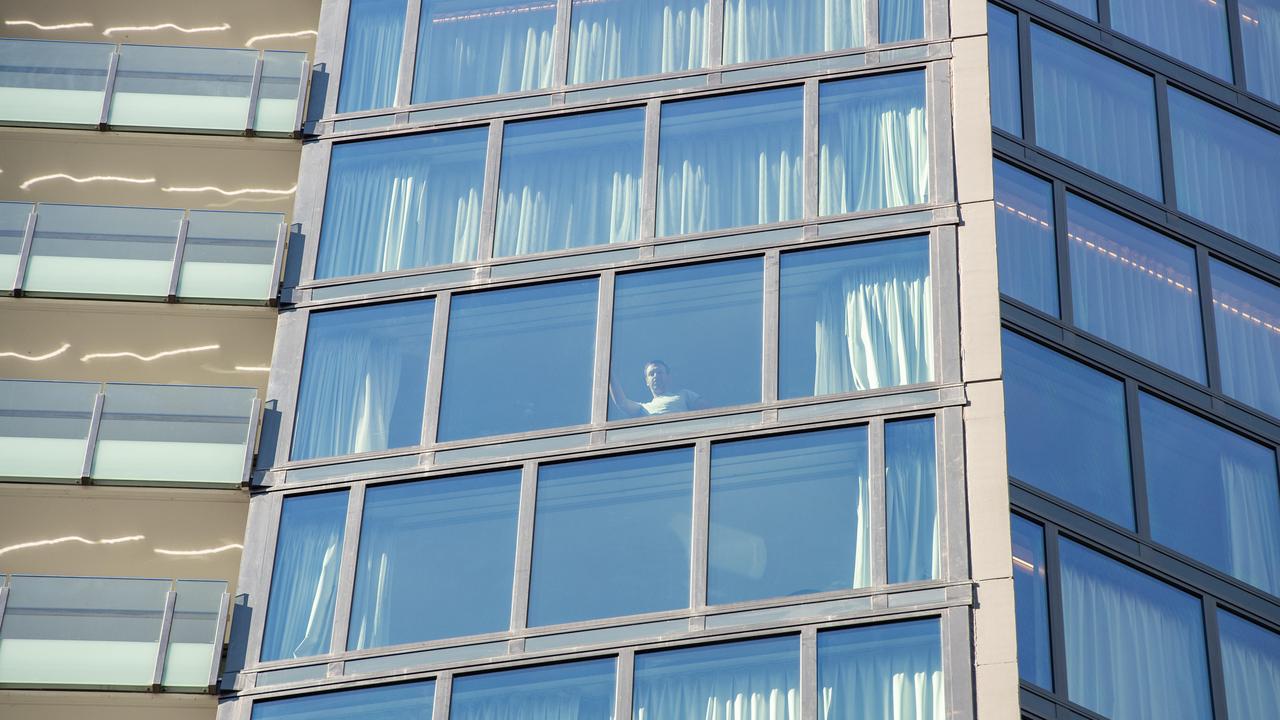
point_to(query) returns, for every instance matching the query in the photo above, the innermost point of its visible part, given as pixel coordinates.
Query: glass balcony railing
(123, 433)
(151, 87)
(111, 633)
(214, 256)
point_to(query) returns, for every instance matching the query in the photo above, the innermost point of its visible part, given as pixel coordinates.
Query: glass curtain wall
(614, 39)
(304, 577)
(371, 55)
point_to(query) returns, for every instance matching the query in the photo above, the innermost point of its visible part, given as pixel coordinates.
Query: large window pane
(1246, 316)
(748, 679)
(304, 578)
(1250, 667)
(624, 38)
(855, 317)
(1031, 603)
(789, 516)
(569, 691)
(364, 379)
(436, 560)
(1135, 646)
(371, 55)
(593, 197)
(483, 47)
(1227, 169)
(1135, 288)
(911, 500)
(729, 161)
(1025, 244)
(1095, 112)
(1006, 87)
(1260, 36)
(874, 145)
(686, 338)
(518, 360)
(901, 20)
(764, 29)
(1065, 428)
(611, 537)
(1193, 31)
(1213, 494)
(1087, 8)
(402, 203)
(882, 671)
(408, 701)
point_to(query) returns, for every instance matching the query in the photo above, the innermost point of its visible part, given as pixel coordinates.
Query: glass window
(751, 678)
(874, 144)
(624, 38)
(1250, 667)
(364, 379)
(1135, 646)
(882, 671)
(519, 359)
(371, 55)
(901, 20)
(304, 578)
(855, 317)
(1227, 170)
(1213, 494)
(436, 560)
(408, 701)
(611, 537)
(402, 203)
(1087, 8)
(1260, 36)
(1135, 288)
(1031, 603)
(1095, 112)
(1025, 244)
(593, 197)
(1246, 316)
(730, 160)
(1193, 31)
(789, 516)
(764, 29)
(1006, 84)
(686, 338)
(911, 500)
(569, 691)
(468, 48)
(1066, 430)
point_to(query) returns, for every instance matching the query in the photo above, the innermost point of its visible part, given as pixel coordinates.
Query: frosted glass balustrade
(44, 428)
(42, 81)
(90, 250)
(230, 255)
(13, 225)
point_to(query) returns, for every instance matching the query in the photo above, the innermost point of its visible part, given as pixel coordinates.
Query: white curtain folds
(1250, 667)
(1253, 525)
(1260, 35)
(468, 48)
(888, 672)
(371, 55)
(304, 579)
(1193, 31)
(763, 29)
(1246, 314)
(624, 38)
(762, 693)
(911, 500)
(349, 387)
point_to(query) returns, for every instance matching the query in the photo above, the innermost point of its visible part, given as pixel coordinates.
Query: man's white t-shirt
(681, 401)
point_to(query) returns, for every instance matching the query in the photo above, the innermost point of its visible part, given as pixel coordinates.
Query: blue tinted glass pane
(1087, 8)
(882, 671)
(1260, 36)
(874, 143)
(436, 560)
(410, 701)
(1135, 288)
(304, 577)
(720, 681)
(855, 317)
(402, 203)
(371, 55)
(901, 20)
(1227, 170)
(789, 516)
(911, 500)
(1193, 31)
(1031, 603)
(570, 691)
(1134, 645)
(364, 380)
(1006, 88)
(611, 537)
(764, 29)
(1095, 112)
(730, 161)
(1213, 494)
(468, 48)
(624, 38)
(1250, 667)
(1025, 242)
(687, 338)
(1065, 428)
(1246, 315)
(592, 198)
(519, 360)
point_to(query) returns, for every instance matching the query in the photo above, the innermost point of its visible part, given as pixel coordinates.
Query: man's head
(657, 376)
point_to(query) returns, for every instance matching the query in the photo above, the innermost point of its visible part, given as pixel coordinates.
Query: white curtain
(527, 705)
(897, 679)
(1248, 350)
(901, 20)
(468, 49)
(1194, 31)
(624, 38)
(1253, 522)
(874, 150)
(911, 500)
(762, 29)
(1260, 35)
(1250, 668)
(349, 386)
(371, 55)
(716, 693)
(304, 578)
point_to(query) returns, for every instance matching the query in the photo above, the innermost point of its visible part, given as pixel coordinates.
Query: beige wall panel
(48, 705)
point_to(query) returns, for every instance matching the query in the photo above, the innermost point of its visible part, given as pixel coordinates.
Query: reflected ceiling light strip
(37, 358)
(275, 36)
(91, 178)
(206, 551)
(38, 26)
(167, 26)
(252, 368)
(71, 538)
(149, 358)
(230, 193)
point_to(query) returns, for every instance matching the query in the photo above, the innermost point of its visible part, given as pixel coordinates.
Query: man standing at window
(657, 377)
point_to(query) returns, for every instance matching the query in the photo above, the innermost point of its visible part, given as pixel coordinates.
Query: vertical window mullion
(809, 173)
(604, 351)
(1104, 13)
(871, 23)
(560, 43)
(1061, 239)
(408, 53)
(1213, 644)
(626, 670)
(769, 338)
(1213, 367)
(1164, 137)
(878, 507)
(809, 686)
(1025, 83)
(444, 691)
(701, 524)
(347, 568)
(1057, 627)
(1235, 41)
(715, 34)
(524, 549)
(489, 196)
(258, 621)
(649, 171)
(1137, 461)
(435, 369)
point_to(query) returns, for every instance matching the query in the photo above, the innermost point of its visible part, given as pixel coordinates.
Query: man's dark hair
(655, 361)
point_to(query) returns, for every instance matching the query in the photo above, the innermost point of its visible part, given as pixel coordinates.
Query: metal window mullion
(879, 514)
(489, 194)
(304, 75)
(91, 442)
(1137, 459)
(1213, 649)
(715, 33)
(809, 674)
(179, 250)
(650, 180)
(109, 89)
(1235, 45)
(871, 23)
(952, 516)
(332, 27)
(769, 360)
(444, 693)
(1057, 629)
(524, 546)
(345, 591)
(1026, 85)
(251, 438)
(604, 348)
(1061, 241)
(219, 639)
(560, 43)
(624, 688)
(408, 53)
(700, 529)
(24, 252)
(255, 90)
(277, 264)
(944, 266)
(1212, 363)
(809, 172)
(314, 169)
(1104, 13)
(1164, 136)
(435, 370)
(166, 630)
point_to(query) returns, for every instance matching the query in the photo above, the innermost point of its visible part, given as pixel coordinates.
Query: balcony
(151, 87)
(111, 633)
(118, 433)
(212, 256)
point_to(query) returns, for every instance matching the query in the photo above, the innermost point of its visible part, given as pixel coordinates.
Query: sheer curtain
(1246, 316)
(901, 20)
(348, 387)
(624, 38)
(762, 29)
(1250, 667)
(1260, 35)
(886, 672)
(1253, 525)
(1025, 243)
(911, 500)
(371, 55)
(1194, 31)
(468, 48)
(739, 684)
(304, 578)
